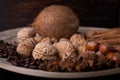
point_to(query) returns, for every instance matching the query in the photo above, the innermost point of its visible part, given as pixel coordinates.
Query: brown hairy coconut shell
(56, 21)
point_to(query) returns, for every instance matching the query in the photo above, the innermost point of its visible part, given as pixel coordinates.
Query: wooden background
(97, 13)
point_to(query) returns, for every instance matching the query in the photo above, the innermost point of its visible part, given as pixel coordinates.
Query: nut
(105, 48)
(25, 33)
(43, 50)
(90, 33)
(100, 55)
(46, 40)
(77, 40)
(25, 48)
(38, 38)
(92, 46)
(81, 49)
(65, 49)
(113, 56)
(56, 21)
(54, 40)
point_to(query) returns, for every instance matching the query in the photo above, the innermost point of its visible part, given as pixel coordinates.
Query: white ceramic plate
(10, 35)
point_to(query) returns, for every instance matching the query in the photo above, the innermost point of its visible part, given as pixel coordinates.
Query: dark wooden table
(95, 13)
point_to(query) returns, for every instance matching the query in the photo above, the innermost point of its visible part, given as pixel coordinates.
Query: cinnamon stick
(108, 36)
(116, 47)
(115, 41)
(117, 32)
(100, 33)
(105, 31)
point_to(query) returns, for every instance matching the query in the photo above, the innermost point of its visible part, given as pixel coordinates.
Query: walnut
(38, 38)
(65, 49)
(54, 40)
(26, 47)
(81, 49)
(47, 40)
(79, 42)
(25, 33)
(43, 51)
(77, 39)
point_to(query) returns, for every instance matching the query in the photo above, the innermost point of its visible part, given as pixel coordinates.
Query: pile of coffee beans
(83, 62)
(6, 49)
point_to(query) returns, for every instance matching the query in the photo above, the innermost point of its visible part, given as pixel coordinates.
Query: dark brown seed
(41, 66)
(33, 66)
(26, 65)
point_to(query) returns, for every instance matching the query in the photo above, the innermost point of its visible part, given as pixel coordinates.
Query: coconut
(56, 21)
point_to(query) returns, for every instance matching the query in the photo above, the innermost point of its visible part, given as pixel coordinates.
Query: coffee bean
(33, 66)
(41, 66)
(26, 65)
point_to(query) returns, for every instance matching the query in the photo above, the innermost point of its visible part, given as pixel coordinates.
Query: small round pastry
(56, 21)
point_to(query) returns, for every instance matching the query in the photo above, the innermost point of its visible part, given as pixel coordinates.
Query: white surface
(39, 73)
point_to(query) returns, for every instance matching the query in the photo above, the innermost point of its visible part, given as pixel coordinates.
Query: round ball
(56, 21)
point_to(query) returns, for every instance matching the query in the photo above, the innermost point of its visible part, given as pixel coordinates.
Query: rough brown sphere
(56, 21)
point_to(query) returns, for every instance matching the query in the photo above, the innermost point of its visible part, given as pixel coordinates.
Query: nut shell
(104, 48)
(56, 21)
(77, 40)
(46, 40)
(92, 46)
(25, 33)
(38, 38)
(43, 50)
(26, 47)
(65, 49)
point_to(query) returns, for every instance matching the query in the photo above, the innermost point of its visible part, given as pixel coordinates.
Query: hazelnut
(92, 46)
(25, 33)
(104, 48)
(25, 48)
(114, 56)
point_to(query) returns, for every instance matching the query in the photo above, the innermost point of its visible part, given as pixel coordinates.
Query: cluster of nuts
(103, 50)
(32, 44)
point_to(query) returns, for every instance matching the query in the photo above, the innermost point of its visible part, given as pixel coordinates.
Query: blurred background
(95, 13)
